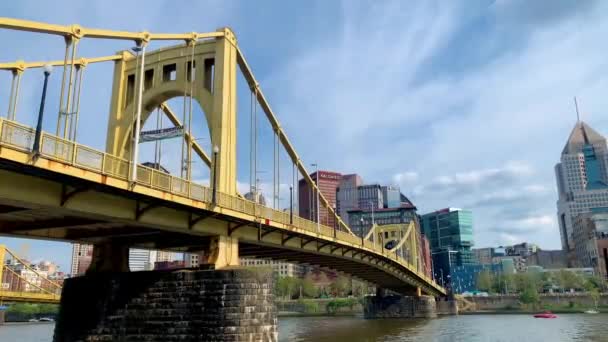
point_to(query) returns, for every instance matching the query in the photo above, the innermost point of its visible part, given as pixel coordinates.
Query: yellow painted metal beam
(22, 65)
(31, 297)
(80, 32)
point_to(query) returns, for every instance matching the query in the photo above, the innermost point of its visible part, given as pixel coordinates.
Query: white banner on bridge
(161, 134)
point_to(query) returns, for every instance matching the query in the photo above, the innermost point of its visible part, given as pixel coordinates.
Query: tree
(595, 296)
(308, 287)
(569, 280)
(529, 296)
(340, 286)
(484, 281)
(286, 287)
(593, 282)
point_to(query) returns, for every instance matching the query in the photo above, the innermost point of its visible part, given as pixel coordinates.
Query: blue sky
(463, 103)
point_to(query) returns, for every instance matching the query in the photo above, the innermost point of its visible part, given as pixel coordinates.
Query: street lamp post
(371, 203)
(291, 204)
(361, 232)
(317, 206)
(36, 148)
(213, 195)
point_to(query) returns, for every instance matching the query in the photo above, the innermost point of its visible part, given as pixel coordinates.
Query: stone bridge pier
(414, 305)
(109, 304)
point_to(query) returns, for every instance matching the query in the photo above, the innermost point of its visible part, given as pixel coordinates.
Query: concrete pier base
(186, 305)
(447, 307)
(399, 307)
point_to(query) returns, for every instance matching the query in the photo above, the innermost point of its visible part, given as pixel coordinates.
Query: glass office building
(450, 233)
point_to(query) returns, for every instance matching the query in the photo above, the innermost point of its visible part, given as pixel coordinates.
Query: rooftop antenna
(578, 118)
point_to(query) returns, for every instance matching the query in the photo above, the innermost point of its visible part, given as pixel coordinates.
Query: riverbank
(511, 304)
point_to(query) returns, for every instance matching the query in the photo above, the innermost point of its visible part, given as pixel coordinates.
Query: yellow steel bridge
(52, 187)
(20, 282)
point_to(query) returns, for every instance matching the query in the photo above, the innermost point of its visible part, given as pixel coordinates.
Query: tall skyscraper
(582, 178)
(327, 182)
(81, 258)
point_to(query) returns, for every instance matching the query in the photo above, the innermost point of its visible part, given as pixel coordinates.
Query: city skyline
(489, 151)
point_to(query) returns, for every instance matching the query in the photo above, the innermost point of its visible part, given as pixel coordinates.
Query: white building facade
(582, 179)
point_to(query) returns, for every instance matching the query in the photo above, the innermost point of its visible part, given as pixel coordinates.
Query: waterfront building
(370, 196)
(191, 260)
(464, 277)
(483, 256)
(548, 259)
(139, 259)
(582, 178)
(347, 195)
(256, 197)
(328, 183)
(48, 266)
(361, 220)
(517, 261)
(590, 236)
(450, 233)
(391, 196)
(279, 268)
(81, 258)
(523, 249)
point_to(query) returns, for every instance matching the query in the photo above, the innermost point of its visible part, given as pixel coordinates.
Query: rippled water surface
(465, 328)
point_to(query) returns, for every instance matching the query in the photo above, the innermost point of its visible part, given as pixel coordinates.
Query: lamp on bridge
(290, 203)
(216, 149)
(36, 148)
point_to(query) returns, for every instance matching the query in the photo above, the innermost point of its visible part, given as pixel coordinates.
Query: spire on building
(581, 135)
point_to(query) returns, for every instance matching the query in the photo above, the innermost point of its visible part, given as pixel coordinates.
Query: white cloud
(428, 87)
(405, 177)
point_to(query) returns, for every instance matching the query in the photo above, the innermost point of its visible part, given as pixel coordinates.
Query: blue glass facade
(592, 169)
(450, 234)
(464, 278)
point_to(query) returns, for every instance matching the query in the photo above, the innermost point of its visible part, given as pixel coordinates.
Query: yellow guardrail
(21, 137)
(29, 297)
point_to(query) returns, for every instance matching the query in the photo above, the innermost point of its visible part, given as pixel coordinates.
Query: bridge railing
(21, 137)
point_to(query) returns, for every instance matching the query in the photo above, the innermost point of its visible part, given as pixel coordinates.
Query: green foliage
(338, 303)
(308, 287)
(529, 296)
(310, 306)
(595, 296)
(485, 281)
(360, 288)
(594, 282)
(568, 280)
(340, 287)
(286, 287)
(26, 310)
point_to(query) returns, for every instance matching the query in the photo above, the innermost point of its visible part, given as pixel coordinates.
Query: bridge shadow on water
(349, 329)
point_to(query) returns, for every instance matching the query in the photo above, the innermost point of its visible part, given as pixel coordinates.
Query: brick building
(328, 183)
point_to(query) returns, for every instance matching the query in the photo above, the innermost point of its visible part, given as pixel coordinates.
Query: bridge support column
(221, 252)
(109, 257)
(397, 306)
(184, 305)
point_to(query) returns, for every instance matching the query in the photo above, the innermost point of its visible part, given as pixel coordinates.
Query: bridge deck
(75, 193)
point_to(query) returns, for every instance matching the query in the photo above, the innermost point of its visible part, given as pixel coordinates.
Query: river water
(464, 328)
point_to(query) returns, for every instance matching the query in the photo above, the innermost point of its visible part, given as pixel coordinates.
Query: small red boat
(546, 314)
